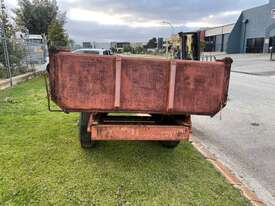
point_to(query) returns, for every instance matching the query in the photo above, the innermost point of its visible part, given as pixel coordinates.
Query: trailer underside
(139, 127)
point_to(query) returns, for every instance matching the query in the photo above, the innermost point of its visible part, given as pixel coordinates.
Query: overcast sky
(139, 20)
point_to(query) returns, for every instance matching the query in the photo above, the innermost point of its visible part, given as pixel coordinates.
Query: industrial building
(96, 45)
(254, 31)
(216, 39)
(120, 46)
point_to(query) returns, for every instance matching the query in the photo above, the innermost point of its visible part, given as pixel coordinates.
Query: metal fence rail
(208, 57)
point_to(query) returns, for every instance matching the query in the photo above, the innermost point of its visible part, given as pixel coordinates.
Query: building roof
(225, 29)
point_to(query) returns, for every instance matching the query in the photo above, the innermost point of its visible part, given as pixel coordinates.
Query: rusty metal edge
(96, 133)
(138, 111)
(48, 96)
(226, 172)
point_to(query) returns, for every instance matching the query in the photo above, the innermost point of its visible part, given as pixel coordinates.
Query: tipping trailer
(136, 98)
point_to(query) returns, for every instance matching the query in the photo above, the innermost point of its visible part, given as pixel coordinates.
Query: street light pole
(171, 25)
(172, 33)
(4, 40)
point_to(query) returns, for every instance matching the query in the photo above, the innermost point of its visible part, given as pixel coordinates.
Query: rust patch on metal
(145, 84)
(84, 82)
(199, 87)
(139, 132)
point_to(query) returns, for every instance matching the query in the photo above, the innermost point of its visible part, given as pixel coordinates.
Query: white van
(93, 51)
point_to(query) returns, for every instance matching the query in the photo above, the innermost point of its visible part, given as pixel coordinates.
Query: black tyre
(170, 144)
(85, 136)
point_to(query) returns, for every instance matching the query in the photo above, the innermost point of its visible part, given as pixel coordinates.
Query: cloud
(138, 20)
(111, 19)
(92, 31)
(214, 19)
(175, 11)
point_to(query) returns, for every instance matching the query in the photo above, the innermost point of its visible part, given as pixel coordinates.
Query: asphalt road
(245, 137)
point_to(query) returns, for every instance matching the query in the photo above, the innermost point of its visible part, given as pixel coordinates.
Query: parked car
(93, 51)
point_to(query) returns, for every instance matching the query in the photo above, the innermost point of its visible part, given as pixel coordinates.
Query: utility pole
(4, 39)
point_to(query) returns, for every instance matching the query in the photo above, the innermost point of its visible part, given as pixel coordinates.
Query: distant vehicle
(36, 49)
(33, 38)
(93, 51)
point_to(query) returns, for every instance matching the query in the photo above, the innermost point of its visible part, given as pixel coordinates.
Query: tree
(56, 34)
(127, 49)
(152, 43)
(139, 50)
(42, 17)
(16, 52)
(37, 15)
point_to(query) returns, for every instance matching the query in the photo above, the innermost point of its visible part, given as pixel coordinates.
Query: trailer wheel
(170, 144)
(85, 136)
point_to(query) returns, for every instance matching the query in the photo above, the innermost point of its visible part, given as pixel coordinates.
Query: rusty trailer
(109, 90)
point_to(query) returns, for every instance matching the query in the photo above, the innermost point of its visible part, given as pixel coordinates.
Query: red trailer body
(83, 82)
(101, 84)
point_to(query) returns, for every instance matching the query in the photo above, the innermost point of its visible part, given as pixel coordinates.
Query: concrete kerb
(227, 173)
(4, 84)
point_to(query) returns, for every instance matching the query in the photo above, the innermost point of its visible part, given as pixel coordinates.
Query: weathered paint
(92, 83)
(139, 132)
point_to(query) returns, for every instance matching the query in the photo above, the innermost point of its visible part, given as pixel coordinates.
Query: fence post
(4, 40)
(271, 53)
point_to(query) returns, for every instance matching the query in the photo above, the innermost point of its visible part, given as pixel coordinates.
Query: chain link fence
(25, 55)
